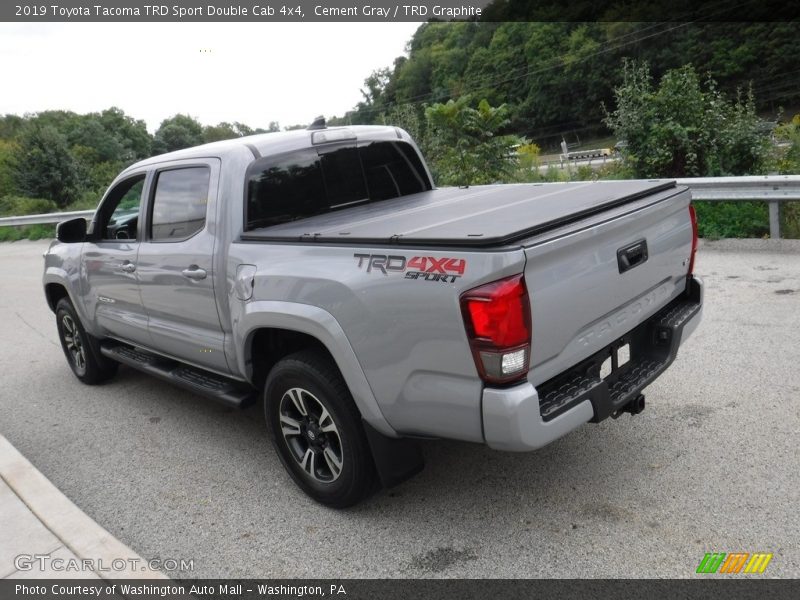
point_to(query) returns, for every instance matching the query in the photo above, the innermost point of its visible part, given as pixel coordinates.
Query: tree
(228, 131)
(132, 134)
(464, 143)
(373, 92)
(176, 133)
(555, 74)
(10, 126)
(99, 143)
(241, 129)
(407, 117)
(220, 131)
(7, 175)
(684, 128)
(45, 167)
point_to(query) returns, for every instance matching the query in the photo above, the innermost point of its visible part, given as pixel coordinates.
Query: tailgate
(592, 281)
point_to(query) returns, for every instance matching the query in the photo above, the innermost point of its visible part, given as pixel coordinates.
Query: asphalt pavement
(712, 465)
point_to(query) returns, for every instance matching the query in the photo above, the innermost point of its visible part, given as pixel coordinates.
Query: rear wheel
(80, 348)
(316, 429)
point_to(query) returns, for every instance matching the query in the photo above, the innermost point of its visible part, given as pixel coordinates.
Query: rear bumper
(525, 417)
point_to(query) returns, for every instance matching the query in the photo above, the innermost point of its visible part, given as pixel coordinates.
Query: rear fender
(322, 326)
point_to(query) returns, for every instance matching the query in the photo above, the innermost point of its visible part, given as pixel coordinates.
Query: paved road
(554, 161)
(711, 465)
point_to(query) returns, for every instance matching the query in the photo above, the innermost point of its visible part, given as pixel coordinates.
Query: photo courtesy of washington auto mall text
(174, 589)
(371, 299)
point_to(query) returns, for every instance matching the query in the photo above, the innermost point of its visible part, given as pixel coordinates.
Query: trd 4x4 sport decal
(425, 268)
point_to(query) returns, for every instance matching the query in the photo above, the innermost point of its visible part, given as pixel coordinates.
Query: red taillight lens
(498, 312)
(497, 318)
(693, 217)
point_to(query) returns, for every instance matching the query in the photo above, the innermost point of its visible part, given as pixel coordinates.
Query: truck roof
(264, 144)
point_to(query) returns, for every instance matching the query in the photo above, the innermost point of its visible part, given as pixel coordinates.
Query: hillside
(557, 76)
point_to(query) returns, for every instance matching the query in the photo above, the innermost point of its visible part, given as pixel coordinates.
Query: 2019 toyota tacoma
(322, 271)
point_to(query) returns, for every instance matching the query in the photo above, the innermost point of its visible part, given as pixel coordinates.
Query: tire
(316, 430)
(80, 348)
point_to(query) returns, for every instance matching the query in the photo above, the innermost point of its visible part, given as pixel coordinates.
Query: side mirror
(71, 231)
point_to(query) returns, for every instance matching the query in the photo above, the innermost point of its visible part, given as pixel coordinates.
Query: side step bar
(225, 391)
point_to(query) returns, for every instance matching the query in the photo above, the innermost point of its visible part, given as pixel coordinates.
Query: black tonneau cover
(488, 215)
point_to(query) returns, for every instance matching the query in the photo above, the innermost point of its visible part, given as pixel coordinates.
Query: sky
(253, 73)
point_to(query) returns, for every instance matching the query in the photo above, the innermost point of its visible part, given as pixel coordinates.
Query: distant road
(552, 160)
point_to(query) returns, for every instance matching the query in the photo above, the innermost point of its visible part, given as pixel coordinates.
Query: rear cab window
(313, 181)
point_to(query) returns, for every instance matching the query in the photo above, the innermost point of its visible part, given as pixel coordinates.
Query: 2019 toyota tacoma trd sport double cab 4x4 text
(321, 271)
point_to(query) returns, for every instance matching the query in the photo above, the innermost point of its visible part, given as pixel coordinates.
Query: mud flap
(396, 459)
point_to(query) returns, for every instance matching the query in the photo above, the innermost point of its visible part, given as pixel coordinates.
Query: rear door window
(179, 203)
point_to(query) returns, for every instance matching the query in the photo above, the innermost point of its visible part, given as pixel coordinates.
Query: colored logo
(734, 562)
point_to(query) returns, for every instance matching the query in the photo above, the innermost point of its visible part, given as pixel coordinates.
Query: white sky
(248, 72)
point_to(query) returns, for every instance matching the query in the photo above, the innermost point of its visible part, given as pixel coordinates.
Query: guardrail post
(775, 220)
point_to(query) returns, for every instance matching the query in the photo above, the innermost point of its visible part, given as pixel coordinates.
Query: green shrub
(465, 144)
(29, 232)
(717, 220)
(554, 175)
(15, 206)
(685, 127)
(86, 201)
(40, 232)
(616, 170)
(790, 220)
(583, 173)
(10, 234)
(786, 161)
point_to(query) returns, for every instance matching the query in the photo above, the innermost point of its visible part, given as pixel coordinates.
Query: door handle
(194, 272)
(632, 255)
(128, 266)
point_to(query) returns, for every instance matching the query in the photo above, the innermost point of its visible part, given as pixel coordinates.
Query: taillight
(497, 316)
(693, 217)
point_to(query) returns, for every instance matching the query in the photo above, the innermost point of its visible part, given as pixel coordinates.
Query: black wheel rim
(73, 344)
(311, 435)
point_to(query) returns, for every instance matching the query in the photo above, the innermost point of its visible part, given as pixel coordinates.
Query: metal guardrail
(55, 217)
(773, 189)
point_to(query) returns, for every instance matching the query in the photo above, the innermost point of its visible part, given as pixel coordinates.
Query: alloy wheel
(73, 342)
(311, 435)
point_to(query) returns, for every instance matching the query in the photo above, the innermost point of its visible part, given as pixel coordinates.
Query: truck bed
(480, 216)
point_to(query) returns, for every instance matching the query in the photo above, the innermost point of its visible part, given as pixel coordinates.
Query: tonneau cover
(476, 216)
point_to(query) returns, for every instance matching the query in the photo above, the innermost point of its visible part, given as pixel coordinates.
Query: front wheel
(80, 348)
(316, 429)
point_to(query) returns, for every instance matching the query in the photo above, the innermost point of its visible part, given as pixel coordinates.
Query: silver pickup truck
(322, 272)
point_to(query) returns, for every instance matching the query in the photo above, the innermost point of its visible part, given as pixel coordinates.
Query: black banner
(396, 10)
(417, 589)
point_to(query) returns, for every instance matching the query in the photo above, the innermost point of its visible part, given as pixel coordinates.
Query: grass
(790, 220)
(28, 232)
(16, 206)
(716, 220)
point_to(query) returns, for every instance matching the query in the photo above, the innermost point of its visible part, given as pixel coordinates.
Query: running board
(225, 391)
